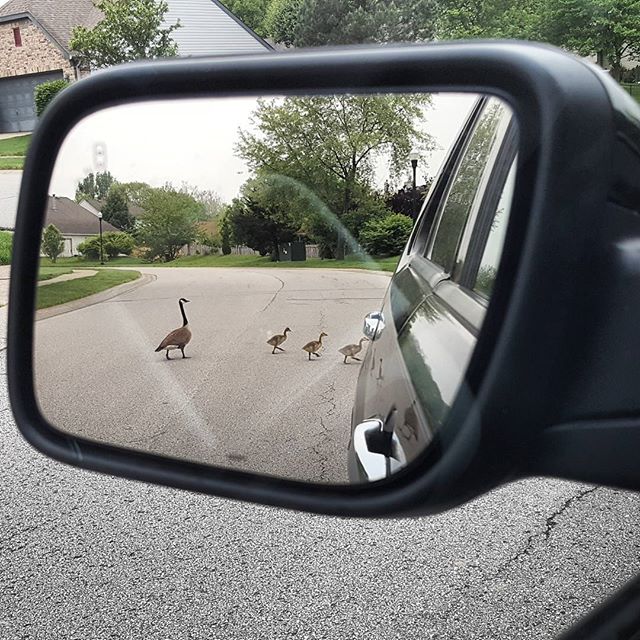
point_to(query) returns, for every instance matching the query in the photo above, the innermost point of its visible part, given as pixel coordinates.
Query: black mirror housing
(551, 387)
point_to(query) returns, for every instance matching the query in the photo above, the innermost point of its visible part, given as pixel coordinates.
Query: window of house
(17, 37)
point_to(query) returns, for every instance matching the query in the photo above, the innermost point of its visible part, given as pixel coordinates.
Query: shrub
(6, 244)
(113, 244)
(52, 242)
(46, 92)
(90, 248)
(388, 236)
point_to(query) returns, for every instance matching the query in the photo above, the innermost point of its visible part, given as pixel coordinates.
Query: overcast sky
(193, 141)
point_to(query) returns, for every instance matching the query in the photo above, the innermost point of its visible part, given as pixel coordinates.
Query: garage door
(17, 111)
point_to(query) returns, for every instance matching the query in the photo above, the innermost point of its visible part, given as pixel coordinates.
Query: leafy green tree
(135, 192)
(130, 30)
(264, 216)
(95, 186)
(225, 235)
(52, 242)
(463, 19)
(335, 22)
(330, 145)
(608, 29)
(211, 202)
(44, 93)
(169, 222)
(116, 209)
(251, 12)
(281, 21)
(388, 236)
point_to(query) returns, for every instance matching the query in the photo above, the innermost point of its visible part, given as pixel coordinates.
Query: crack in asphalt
(275, 295)
(326, 398)
(550, 523)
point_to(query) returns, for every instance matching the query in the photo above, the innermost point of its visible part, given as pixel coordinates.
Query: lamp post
(414, 156)
(100, 221)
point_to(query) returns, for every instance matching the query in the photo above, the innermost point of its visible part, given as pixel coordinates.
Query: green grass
(61, 292)
(6, 244)
(47, 273)
(11, 163)
(16, 146)
(632, 89)
(377, 264)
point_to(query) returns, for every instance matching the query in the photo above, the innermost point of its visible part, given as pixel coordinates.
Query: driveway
(231, 402)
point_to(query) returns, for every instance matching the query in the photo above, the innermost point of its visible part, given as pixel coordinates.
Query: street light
(100, 221)
(414, 156)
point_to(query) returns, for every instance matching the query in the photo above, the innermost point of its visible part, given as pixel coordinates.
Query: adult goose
(178, 338)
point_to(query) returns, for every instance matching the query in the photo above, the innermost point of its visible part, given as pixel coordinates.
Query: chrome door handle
(373, 325)
(374, 465)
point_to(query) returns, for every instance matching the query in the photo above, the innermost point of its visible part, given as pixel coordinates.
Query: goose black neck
(185, 322)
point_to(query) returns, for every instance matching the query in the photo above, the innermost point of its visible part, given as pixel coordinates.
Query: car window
(465, 186)
(486, 275)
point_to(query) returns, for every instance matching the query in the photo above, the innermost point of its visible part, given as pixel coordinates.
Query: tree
(608, 29)
(130, 30)
(211, 202)
(335, 22)
(52, 242)
(251, 12)
(95, 186)
(522, 19)
(264, 216)
(225, 235)
(330, 145)
(169, 222)
(408, 200)
(116, 209)
(281, 21)
(44, 93)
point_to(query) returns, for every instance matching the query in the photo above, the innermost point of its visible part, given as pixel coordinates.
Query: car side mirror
(504, 347)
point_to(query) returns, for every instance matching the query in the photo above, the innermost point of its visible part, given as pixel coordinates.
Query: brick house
(35, 34)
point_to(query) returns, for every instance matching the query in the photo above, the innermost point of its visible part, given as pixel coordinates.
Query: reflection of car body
(424, 336)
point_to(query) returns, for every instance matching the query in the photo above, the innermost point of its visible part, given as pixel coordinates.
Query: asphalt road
(231, 402)
(89, 556)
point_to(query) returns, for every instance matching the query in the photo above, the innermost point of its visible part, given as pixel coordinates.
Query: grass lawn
(379, 264)
(47, 273)
(11, 163)
(16, 146)
(61, 292)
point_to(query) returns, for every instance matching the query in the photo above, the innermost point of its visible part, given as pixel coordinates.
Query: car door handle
(375, 466)
(373, 325)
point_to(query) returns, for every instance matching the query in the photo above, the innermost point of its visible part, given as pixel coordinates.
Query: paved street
(231, 402)
(88, 556)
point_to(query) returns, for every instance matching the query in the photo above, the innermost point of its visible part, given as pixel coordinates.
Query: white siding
(208, 30)
(9, 190)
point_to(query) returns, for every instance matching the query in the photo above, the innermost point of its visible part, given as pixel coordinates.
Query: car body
(422, 340)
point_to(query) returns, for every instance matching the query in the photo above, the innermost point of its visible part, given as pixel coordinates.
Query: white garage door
(17, 111)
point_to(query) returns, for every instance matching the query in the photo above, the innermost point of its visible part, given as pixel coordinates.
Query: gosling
(314, 346)
(178, 338)
(278, 339)
(352, 350)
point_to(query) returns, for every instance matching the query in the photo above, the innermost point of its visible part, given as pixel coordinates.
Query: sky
(193, 141)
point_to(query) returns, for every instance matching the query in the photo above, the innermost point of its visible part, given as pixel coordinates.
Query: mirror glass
(217, 276)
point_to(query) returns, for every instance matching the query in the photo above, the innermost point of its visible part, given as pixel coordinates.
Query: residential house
(35, 34)
(74, 222)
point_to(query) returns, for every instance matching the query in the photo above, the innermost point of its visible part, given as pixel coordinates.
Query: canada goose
(314, 346)
(277, 340)
(178, 338)
(352, 350)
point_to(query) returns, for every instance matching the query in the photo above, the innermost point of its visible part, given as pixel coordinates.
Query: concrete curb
(96, 298)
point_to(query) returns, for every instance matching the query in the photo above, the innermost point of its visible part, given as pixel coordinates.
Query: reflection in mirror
(215, 276)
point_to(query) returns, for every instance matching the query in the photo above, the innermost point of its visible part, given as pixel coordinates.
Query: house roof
(134, 209)
(208, 27)
(57, 17)
(70, 218)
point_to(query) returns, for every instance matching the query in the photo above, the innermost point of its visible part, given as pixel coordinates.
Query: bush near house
(388, 236)
(52, 243)
(113, 244)
(44, 93)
